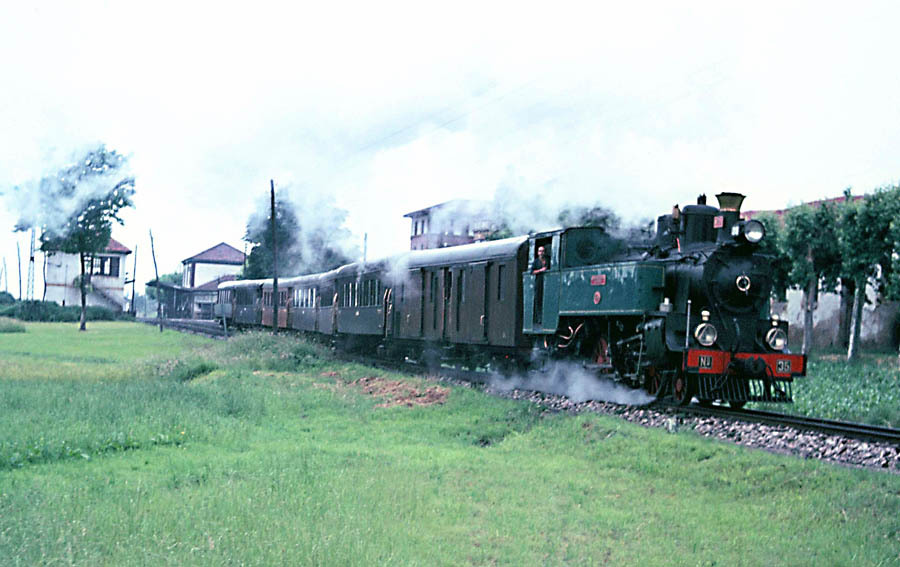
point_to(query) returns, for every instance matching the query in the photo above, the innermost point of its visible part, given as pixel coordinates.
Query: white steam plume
(572, 380)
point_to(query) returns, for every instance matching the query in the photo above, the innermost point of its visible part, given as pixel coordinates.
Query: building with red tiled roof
(460, 221)
(814, 204)
(204, 271)
(212, 263)
(107, 273)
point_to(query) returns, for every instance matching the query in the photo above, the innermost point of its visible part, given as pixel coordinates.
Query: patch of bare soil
(399, 393)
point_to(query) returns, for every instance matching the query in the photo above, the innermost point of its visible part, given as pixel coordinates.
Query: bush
(10, 326)
(48, 311)
(6, 298)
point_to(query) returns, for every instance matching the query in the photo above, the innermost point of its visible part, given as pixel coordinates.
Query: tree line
(841, 246)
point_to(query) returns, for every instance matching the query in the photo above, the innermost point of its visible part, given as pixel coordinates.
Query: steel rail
(208, 328)
(834, 427)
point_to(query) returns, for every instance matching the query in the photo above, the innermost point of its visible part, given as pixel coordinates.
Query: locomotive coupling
(752, 367)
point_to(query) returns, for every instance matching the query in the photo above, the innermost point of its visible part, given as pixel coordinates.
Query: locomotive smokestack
(730, 211)
(730, 202)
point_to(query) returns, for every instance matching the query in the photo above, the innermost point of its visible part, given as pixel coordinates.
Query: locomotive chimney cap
(730, 201)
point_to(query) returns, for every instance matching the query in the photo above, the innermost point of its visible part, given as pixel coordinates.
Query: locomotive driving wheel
(601, 352)
(682, 391)
(652, 382)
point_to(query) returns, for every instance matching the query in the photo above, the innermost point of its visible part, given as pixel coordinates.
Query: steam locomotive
(683, 314)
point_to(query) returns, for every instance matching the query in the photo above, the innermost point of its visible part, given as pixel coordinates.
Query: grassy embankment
(125, 446)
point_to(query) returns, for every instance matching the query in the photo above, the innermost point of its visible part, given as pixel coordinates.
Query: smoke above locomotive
(682, 313)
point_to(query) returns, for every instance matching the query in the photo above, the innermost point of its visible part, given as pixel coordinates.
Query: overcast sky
(386, 108)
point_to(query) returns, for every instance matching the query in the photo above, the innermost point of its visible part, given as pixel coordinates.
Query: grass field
(123, 446)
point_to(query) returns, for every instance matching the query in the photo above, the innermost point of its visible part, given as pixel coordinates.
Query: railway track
(828, 426)
(851, 430)
(196, 326)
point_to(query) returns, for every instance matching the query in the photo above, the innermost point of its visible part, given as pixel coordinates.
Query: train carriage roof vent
(730, 202)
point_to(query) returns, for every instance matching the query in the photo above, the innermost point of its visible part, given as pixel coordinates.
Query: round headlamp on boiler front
(751, 231)
(777, 339)
(706, 333)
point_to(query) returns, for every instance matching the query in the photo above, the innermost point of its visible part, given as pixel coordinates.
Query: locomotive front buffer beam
(742, 376)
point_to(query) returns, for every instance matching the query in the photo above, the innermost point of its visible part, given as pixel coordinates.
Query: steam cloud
(321, 233)
(572, 380)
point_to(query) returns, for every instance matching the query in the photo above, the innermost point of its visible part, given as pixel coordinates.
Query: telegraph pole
(133, 279)
(274, 263)
(158, 290)
(19, 256)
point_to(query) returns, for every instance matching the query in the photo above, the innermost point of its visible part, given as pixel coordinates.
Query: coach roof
(476, 252)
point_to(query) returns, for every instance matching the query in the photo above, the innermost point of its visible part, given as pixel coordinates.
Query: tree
(811, 243)
(79, 204)
(312, 246)
(868, 243)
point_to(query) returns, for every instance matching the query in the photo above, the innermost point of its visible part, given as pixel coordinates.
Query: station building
(107, 277)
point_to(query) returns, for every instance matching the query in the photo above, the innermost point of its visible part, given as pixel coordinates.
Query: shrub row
(48, 311)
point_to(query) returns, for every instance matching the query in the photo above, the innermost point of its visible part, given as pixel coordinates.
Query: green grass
(866, 392)
(252, 451)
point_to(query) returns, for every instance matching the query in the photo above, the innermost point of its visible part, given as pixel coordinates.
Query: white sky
(391, 107)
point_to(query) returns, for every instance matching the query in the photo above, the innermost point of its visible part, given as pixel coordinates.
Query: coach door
(473, 304)
(387, 304)
(446, 303)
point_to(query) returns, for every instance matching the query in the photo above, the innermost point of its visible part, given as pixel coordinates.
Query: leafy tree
(869, 242)
(810, 241)
(79, 204)
(303, 248)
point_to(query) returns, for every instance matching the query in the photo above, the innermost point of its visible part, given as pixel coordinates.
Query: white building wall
(878, 321)
(62, 271)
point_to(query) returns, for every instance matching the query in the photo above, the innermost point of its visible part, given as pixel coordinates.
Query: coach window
(501, 269)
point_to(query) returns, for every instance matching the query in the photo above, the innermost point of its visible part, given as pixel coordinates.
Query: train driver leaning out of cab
(541, 261)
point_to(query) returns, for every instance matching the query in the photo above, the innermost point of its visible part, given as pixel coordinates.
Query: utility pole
(365, 246)
(29, 289)
(5, 276)
(274, 263)
(158, 291)
(19, 256)
(44, 277)
(133, 279)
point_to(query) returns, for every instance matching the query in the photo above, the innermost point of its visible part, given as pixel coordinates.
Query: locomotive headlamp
(752, 231)
(776, 338)
(706, 334)
(743, 283)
